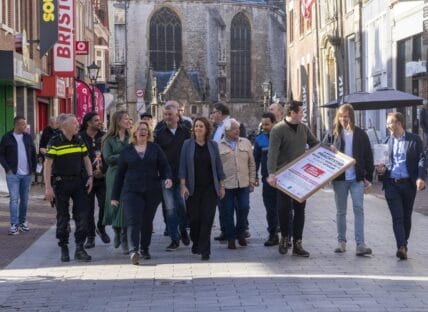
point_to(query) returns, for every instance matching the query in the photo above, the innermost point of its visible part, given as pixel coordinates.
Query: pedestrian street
(253, 278)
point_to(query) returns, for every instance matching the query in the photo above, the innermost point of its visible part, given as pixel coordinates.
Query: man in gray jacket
(288, 141)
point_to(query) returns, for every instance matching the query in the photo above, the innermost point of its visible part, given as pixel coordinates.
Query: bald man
(277, 110)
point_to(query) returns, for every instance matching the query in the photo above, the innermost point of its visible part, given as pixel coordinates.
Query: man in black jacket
(92, 134)
(171, 138)
(18, 158)
(351, 140)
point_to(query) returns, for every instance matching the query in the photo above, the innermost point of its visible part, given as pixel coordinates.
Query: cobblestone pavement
(254, 278)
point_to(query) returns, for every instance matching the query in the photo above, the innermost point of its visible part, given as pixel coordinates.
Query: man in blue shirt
(261, 148)
(402, 177)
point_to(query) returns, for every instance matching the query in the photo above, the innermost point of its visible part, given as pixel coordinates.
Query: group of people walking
(193, 166)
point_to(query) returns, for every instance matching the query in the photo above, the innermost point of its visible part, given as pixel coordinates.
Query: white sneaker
(23, 227)
(13, 230)
(341, 247)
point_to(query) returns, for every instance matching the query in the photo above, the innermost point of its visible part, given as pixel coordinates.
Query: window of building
(351, 64)
(301, 21)
(165, 40)
(240, 55)
(291, 25)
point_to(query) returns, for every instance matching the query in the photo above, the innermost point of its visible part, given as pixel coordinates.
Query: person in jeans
(91, 133)
(351, 140)
(261, 147)
(18, 158)
(142, 166)
(201, 180)
(402, 177)
(171, 138)
(240, 169)
(288, 140)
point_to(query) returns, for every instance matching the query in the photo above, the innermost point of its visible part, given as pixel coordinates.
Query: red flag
(306, 8)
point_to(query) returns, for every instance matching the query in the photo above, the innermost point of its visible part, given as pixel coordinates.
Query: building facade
(216, 50)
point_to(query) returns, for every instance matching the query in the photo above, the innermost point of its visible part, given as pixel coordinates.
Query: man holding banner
(288, 141)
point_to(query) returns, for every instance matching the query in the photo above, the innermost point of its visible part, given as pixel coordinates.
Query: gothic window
(240, 55)
(165, 40)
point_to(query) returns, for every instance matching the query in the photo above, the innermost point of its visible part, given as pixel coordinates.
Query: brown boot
(231, 244)
(283, 246)
(298, 249)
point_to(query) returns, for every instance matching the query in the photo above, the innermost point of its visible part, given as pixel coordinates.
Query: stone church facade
(202, 52)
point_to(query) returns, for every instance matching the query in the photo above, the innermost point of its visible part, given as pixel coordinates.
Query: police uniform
(67, 181)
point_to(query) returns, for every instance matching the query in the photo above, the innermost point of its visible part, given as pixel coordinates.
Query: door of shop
(6, 109)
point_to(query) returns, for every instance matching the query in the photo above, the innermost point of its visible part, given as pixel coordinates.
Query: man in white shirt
(18, 158)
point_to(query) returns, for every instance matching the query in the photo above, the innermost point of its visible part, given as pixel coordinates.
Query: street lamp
(267, 91)
(93, 70)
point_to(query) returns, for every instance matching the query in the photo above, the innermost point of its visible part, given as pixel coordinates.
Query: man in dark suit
(402, 177)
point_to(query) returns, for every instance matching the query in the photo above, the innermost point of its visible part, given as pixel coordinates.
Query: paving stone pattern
(254, 278)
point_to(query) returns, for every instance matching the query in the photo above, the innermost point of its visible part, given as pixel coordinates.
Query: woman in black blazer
(142, 167)
(201, 182)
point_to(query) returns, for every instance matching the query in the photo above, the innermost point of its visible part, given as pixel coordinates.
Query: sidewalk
(254, 278)
(40, 215)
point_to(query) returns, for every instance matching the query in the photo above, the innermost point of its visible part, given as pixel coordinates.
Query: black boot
(124, 241)
(283, 246)
(90, 243)
(272, 240)
(101, 231)
(298, 249)
(116, 237)
(81, 254)
(145, 254)
(65, 256)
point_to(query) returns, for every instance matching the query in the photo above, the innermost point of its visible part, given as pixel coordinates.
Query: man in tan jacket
(239, 166)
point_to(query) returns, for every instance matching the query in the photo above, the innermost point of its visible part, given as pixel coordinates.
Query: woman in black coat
(142, 168)
(201, 182)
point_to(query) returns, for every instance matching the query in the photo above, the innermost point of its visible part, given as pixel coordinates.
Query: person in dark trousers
(91, 133)
(424, 122)
(202, 183)
(171, 139)
(48, 133)
(219, 115)
(142, 167)
(353, 141)
(66, 155)
(18, 158)
(261, 148)
(402, 177)
(288, 140)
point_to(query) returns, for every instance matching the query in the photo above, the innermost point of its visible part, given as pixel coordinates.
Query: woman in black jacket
(142, 168)
(353, 141)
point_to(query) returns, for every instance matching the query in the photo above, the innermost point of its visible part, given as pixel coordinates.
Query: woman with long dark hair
(201, 182)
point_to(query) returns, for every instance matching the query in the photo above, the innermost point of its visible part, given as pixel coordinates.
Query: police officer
(66, 155)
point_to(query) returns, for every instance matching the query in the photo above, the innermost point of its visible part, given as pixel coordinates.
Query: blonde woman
(142, 167)
(113, 143)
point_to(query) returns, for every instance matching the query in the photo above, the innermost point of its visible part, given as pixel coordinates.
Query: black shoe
(298, 249)
(231, 244)
(165, 233)
(116, 239)
(124, 242)
(247, 234)
(145, 254)
(103, 235)
(173, 246)
(90, 243)
(81, 254)
(185, 238)
(195, 250)
(283, 246)
(205, 257)
(65, 256)
(242, 240)
(221, 237)
(272, 240)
